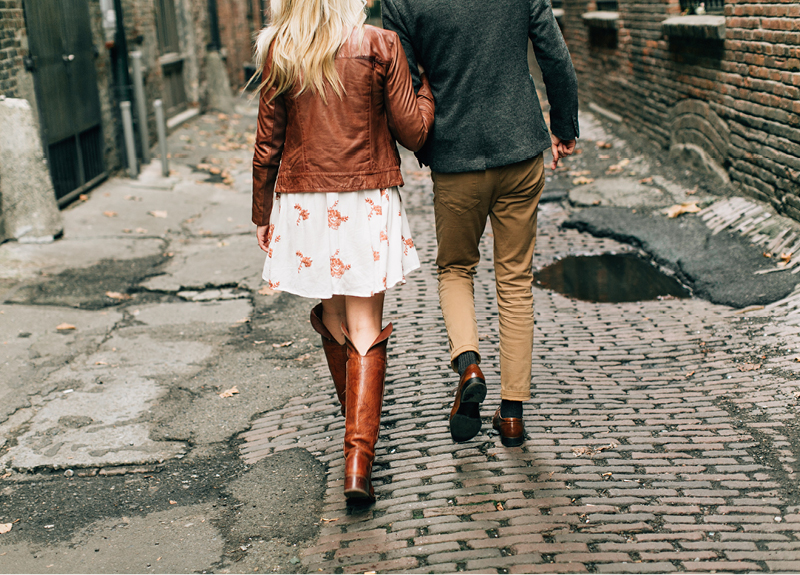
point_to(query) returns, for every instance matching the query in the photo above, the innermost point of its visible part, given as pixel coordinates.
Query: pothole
(609, 278)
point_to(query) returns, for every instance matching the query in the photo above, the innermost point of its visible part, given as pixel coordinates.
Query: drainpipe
(213, 22)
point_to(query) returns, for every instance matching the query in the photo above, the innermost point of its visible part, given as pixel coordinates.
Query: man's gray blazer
(475, 55)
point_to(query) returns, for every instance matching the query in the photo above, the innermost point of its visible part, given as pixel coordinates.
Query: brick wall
(236, 27)
(12, 30)
(737, 100)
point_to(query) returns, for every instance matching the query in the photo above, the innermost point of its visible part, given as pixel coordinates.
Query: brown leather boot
(366, 375)
(335, 353)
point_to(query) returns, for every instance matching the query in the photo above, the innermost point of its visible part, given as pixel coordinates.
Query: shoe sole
(358, 495)
(512, 441)
(466, 422)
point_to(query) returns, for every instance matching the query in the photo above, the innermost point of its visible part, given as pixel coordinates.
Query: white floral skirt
(348, 243)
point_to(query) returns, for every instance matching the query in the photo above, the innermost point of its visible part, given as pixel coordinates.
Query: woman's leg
(364, 318)
(333, 316)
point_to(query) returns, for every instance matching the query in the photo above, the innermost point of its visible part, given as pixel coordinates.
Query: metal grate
(76, 160)
(64, 168)
(710, 6)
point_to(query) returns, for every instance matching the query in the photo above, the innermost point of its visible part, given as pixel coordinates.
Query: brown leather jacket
(304, 145)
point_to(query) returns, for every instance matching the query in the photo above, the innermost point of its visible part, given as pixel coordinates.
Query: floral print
(335, 217)
(363, 237)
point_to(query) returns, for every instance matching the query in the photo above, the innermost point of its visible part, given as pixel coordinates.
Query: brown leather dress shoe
(512, 429)
(465, 417)
(366, 375)
(335, 353)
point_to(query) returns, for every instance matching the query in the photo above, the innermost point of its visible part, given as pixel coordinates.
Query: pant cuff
(508, 396)
(456, 352)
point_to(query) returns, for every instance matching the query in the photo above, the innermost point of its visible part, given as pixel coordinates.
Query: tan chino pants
(509, 196)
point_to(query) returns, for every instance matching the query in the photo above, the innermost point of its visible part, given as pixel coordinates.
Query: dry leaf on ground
(580, 173)
(591, 451)
(499, 506)
(65, 327)
(284, 344)
(618, 167)
(603, 145)
(5, 527)
(118, 296)
(582, 180)
(767, 255)
(266, 290)
(749, 366)
(229, 392)
(786, 258)
(646, 180)
(110, 214)
(158, 213)
(684, 208)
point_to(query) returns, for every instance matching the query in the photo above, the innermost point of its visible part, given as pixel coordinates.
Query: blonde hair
(305, 36)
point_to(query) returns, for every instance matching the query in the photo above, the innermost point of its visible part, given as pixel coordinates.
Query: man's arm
(557, 69)
(393, 20)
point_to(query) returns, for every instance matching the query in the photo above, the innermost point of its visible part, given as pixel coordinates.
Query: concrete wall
(736, 99)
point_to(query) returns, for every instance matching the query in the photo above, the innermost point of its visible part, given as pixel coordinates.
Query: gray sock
(464, 360)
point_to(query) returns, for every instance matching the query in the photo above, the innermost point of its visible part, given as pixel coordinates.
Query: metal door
(62, 53)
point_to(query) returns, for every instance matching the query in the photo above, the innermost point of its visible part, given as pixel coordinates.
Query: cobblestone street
(654, 443)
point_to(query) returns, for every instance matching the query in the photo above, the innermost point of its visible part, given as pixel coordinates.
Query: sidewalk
(661, 434)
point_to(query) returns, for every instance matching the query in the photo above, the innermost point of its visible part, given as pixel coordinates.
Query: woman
(336, 95)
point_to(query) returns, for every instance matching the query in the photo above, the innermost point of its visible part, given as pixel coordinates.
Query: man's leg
(461, 210)
(461, 206)
(513, 220)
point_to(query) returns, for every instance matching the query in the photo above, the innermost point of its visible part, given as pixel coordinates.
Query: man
(485, 153)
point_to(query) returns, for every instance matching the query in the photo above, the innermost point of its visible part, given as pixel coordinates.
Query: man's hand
(561, 149)
(261, 235)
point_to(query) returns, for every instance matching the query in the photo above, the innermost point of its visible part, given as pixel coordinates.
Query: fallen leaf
(100, 363)
(215, 170)
(303, 357)
(110, 214)
(618, 167)
(580, 173)
(171, 502)
(690, 374)
(603, 145)
(325, 520)
(65, 327)
(5, 475)
(260, 341)
(646, 180)
(786, 257)
(229, 392)
(609, 474)
(243, 320)
(5, 528)
(582, 180)
(118, 296)
(83, 197)
(767, 255)
(684, 208)
(591, 451)
(158, 213)
(284, 344)
(499, 506)
(797, 358)
(749, 366)
(266, 290)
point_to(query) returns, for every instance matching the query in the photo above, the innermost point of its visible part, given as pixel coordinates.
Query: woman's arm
(270, 136)
(410, 116)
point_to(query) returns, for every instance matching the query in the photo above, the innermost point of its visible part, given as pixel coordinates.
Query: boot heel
(357, 488)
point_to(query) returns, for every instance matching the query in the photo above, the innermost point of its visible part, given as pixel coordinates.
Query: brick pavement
(648, 450)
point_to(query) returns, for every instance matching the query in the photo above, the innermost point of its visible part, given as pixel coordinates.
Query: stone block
(28, 210)
(706, 27)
